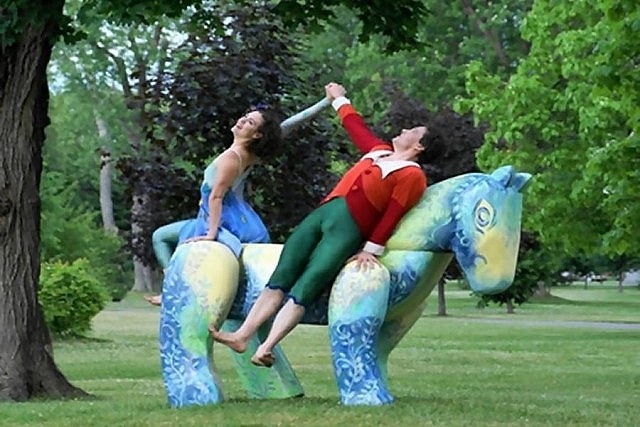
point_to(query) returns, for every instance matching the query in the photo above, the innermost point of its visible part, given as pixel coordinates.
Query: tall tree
(570, 114)
(28, 31)
(450, 35)
(128, 60)
(26, 366)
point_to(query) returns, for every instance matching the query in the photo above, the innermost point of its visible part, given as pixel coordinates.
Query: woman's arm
(228, 169)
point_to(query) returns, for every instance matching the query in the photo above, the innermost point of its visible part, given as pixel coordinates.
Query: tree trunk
(442, 306)
(27, 368)
(106, 174)
(620, 280)
(510, 309)
(146, 278)
(542, 291)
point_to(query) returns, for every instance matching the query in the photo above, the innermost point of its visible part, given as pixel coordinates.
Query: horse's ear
(503, 175)
(520, 181)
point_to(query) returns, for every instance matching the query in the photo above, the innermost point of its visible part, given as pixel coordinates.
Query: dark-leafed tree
(251, 62)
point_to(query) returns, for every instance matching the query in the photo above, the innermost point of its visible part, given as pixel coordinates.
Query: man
(364, 207)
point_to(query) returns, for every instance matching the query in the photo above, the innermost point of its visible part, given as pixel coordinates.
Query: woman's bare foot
(228, 339)
(154, 299)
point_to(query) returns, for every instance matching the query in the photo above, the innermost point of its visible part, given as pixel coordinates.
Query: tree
(26, 367)
(126, 61)
(569, 115)
(450, 35)
(27, 34)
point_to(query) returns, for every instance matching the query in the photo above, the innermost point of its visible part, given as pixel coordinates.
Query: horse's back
(257, 263)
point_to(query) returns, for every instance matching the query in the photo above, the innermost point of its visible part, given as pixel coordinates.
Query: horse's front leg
(413, 276)
(357, 308)
(198, 289)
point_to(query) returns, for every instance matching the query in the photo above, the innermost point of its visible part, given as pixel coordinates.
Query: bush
(70, 296)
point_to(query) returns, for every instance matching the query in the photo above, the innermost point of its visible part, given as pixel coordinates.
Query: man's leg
(341, 238)
(295, 255)
(286, 319)
(265, 306)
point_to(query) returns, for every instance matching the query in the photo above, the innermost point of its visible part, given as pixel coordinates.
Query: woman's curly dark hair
(269, 145)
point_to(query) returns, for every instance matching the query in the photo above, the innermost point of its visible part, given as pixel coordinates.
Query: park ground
(569, 360)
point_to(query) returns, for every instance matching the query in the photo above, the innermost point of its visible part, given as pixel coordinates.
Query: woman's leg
(165, 241)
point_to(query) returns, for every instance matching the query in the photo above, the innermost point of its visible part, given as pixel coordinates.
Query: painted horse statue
(474, 217)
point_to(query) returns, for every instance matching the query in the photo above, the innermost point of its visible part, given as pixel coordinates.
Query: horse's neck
(430, 225)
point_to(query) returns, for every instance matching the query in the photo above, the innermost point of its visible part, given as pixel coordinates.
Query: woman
(223, 214)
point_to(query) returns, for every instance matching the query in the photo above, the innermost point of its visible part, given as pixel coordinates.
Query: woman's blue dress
(239, 223)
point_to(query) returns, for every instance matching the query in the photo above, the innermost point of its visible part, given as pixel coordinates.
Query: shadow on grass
(287, 400)
(79, 339)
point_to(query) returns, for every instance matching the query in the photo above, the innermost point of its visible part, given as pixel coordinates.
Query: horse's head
(486, 234)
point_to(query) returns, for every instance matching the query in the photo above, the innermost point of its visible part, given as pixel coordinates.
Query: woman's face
(248, 126)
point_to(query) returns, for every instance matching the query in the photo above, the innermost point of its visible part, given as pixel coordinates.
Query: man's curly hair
(269, 145)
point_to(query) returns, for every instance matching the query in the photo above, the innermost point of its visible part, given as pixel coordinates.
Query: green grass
(471, 368)
(599, 303)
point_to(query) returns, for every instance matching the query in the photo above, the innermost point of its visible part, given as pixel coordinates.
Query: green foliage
(70, 296)
(433, 71)
(398, 21)
(16, 15)
(71, 226)
(70, 231)
(132, 11)
(570, 115)
(74, 146)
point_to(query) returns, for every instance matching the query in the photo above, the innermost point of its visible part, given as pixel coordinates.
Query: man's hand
(364, 259)
(334, 90)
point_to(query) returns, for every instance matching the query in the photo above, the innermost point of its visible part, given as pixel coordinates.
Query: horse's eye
(483, 214)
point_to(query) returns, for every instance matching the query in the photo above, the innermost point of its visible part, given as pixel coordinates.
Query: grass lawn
(539, 367)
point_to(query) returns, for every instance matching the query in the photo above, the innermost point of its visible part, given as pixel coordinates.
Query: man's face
(410, 138)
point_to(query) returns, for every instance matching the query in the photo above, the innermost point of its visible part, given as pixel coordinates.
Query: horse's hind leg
(198, 290)
(357, 308)
(278, 382)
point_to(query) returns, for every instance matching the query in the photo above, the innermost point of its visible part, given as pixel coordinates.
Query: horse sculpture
(474, 217)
